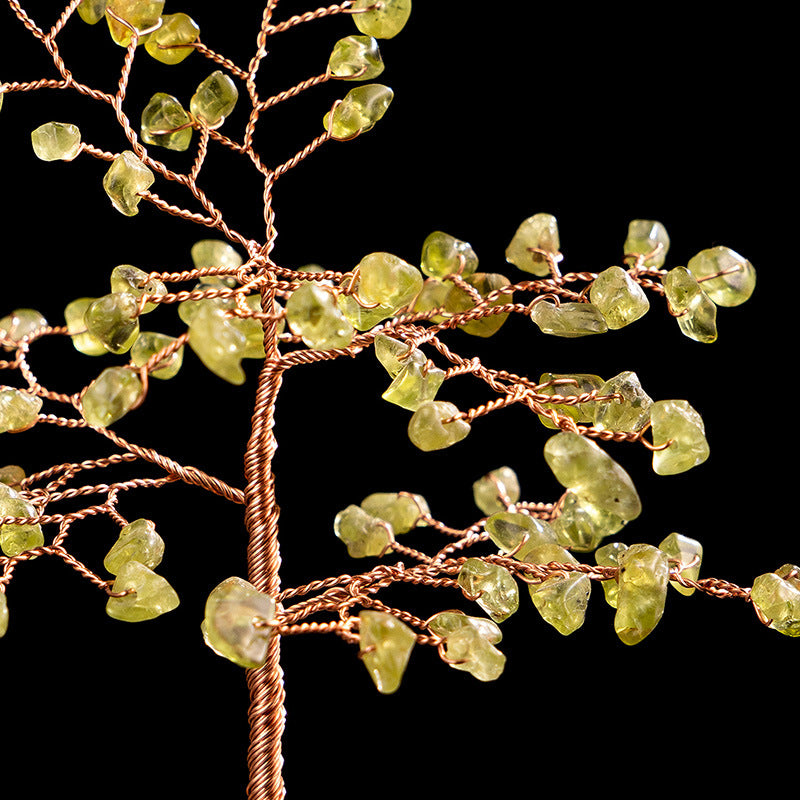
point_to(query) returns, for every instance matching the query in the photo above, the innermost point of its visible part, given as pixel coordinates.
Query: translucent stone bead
(138, 541)
(56, 141)
(528, 538)
(686, 551)
(114, 320)
(484, 283)
(414, 385)
(580, 465)
(580, 383)
(176, 29)
(166, 123)
(777, 596)
(491, 586)
(618, 297)
(356, 58)
(446, 623)
(82, 340)
(731, 288)
(433, 295)
(215, 253)
(92, 11)
(16, 539)
(539, 232)
(568, 320)
(499, 483)
(18, 410)
(402, 510)
(677, 421)
(11, 474)
(608, 556)
(388, 280)
(631, 413)
(443, 254)
(562, 602)
(3, 614)
(364, 534)
(581, 526)
(647, 236)
(313, 314)
(394, 355)
(357, 315)
(429, 429)
(125, 180)
(147, 345)
(214, 98)
(383, 22)
(135, 281)
(236, 623)
(359, 111)
(643, 579)
(695, 311)
(141, 14)
(467, 650)
(111, 396)
(20, 323)
(385, 645)
(218, 342)
(149, 595)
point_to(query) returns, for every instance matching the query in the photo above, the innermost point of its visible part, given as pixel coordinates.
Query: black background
(598, 116)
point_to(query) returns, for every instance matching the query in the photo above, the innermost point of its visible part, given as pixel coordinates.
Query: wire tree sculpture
(240, 304)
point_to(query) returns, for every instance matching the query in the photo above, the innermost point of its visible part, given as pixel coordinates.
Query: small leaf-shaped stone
(385, 646)
(126, 178)
(148, 595)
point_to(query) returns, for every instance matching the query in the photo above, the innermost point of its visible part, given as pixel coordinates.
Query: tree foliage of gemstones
(393, 309)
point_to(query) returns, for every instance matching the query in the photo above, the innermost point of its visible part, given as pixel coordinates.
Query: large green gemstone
(414, 385)
(568, 320)
(364, 534)
(539, 232)
(643, 580)
(647, 236)
(431, 426)
(631, 413)
(218, 342)
(443, 254)
(111, 396)
(166, 123)
(126, 178)
(82, 340)
(141, 14)
(114, 320)
(359, 111)
(215, 253)
(147, 345)
(402, 510)
(494, 491)
(686, 551)
(562, 602)
(388, 280)
(16, 539)
(56, 141)
(695, 311)
(19, 410)
(385, 646)
(138, 541)
(20, 323)
(149, 595)
(608, 556)
(356, 58)
(581, 526)
(135, 281)
(675, 421)
(736, 282)
(484, 283)
(777, 597)
(176, 29)
(491, 586)
(382, 20)
(618, 297)
(214, 98)
(313, 314)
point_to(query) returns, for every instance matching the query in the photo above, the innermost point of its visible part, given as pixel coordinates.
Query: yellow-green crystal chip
(458, 300)
(382, 20)
(147, 345)
(414, 385)
(443, 254)
(114, 320)
(56, 141)
(646, 236)
(569, 385)
(236, 622)
(432, 427)
(676, 422)
(140, 14)
(446, 622)
(394, 355)
(3, 614)
(165, 44)
(166, 123)
(580, 465)
(581, 526)
(608, 556)
(218, 341)
(22, 322)
(495, 491)
(11, 474)
(631, 413)
(82, 340)
(364, 534)
(433, 296)
(313, 314)
(467, 650)
(537, 233)
(402, 510)
(148, 595)
(138, 541)
(695, 311)
(491, 586)
(111, 396)
(686, 551)
(16, 539)
(18, 410)
(562, 602)
(528, 538)
(359, 111)
(643, 580)
(734, 276)
(618, 297)
(125, 180)
(777, 596)
(214, 98)
(215, 253)
(385, 645)
(568, 320)
(356, 58)
(135, 281)
(388, 280)
(92, 11)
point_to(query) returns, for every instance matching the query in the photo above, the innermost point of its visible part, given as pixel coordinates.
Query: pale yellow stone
(537, 233)
(147, 595)
(385, 646)
(643, 580)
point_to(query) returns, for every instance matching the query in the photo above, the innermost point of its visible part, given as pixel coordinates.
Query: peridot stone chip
(676, 422)
(568, 320)
(92, 11)
(82, 340)
(215, 253)
(433, 296)
(111, 396)
(618, 297)
(446, 623)
(214, 99)
(56, 141)
(218, 341)
(562, 602)
(433, 428)
(114, 320)
(491, 586)
(135, 281)
(138, 541)
(385, 279)
(19, 410)
(236, 624)
(537, 233)
(726, 277)
(124, 182)
(359, 111)
(140, 14)
(382, 20)
(402, 510)
(569, 385)
(3, 614)
(385, 645)
(459, 301)
(643, 579)
(414, 385)
(22, 322)
(364, 534)
(148, 595)
(16, 539)
(147, 345)
(11, 474)
(166, 123)
(394, 355)
(467, 650)
(443, 254)
(695, 311)
(312, 314)
(631, 413)
(646, 236)
(608, 556)
(356, 58)
(494, 492)
(530, 539)
(686, 551)
(165, 44)
(581, 526)
(777, 596)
